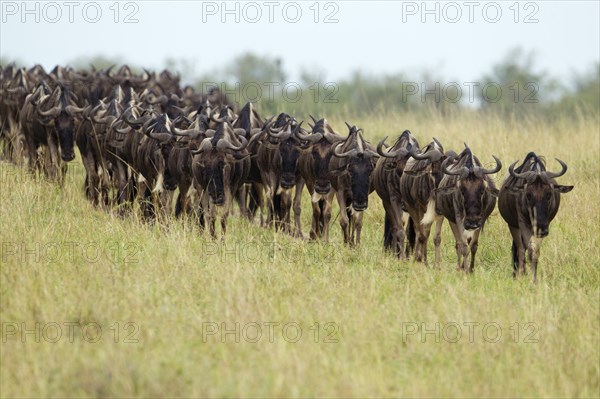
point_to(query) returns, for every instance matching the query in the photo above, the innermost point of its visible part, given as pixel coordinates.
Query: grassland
(63, 261)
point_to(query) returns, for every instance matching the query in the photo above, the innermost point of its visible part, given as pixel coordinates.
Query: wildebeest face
(65, 125)
(472, 190)
(359, 172)
(289, 151)
(540, 198)
(321, 157)
(170, 183)
(213, 171)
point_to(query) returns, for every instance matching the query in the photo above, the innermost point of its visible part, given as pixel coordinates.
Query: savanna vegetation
(96, 305)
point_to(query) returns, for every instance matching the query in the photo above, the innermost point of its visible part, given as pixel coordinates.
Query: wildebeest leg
(181, 205)
(534, 247)
(397, 233)
(461, 248)
(92, 180)
(224, 217)
(344, 220)
(270, 206)
(298, 208)
(121, 177)
(63, 169)
(474, 244)
(315, 231)
(326, 206)
(241, 195)
(211, 219)
(519, 266)
(437, 239)
(52, 168)
(357, 226)
(422, 239)
(283, 207)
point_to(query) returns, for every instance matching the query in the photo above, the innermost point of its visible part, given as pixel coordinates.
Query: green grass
(63, 261)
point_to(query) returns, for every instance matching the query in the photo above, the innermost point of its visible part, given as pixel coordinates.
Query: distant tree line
(513, 86)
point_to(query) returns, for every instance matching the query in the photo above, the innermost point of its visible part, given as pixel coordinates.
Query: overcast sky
(377, 37)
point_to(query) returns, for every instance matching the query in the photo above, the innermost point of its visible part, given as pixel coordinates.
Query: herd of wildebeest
(143, 138)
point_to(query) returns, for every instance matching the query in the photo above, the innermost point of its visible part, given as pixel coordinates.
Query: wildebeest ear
(515, 190)
(337, 172)
(493, 191)
(563, 189)
(446, 190)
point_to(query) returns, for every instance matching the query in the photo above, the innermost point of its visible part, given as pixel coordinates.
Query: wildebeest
(180, 159)
(250, 194)
(60, 119)
(220, 166)
(529, 200)
(279, 149)
(421, 176)
(313, 166)
(386, 179)
(466, 196)
(351, 170)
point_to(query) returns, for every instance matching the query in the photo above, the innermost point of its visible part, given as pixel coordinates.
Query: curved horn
(459, 172)
(206, 145)
(312, 138)
(380, 148)
(550, 175)
(51, 112)
(299, 133)
(337, 153)
(524, 175)
(72, 109)
(313, 119)
(280, 133)
(432, 155)
(491, 171)
(349, 127)
(192, 133)
(160, 136)
(124, 130)
(332, 138)
(223, 144)
(401, 152)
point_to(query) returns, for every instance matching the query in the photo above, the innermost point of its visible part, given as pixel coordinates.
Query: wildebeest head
(357, 163)
(429, 160)
(469, 183)
(540, 194)
(61, 116)
(215, 157)
(400, 151)
(322, 138)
